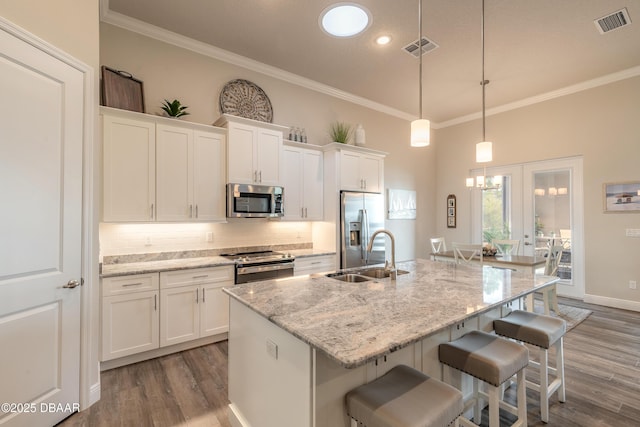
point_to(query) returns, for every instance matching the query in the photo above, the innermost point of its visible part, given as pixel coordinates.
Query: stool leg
(477, 407)
(522, 397)
(544, 385)
(494, 406)
(354, 423)
(560, 369)
(554, 299)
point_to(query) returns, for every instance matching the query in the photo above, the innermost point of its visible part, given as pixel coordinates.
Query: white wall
(602, 125)
(196, 80)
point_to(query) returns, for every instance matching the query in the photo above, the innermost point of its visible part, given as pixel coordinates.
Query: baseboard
(94, 393)
(235, 417)
(612, 302)
(163, 351)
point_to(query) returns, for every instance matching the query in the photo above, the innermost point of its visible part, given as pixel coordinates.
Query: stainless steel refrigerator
(361, 214)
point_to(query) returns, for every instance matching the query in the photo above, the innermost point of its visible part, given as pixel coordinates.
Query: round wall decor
(245, 99)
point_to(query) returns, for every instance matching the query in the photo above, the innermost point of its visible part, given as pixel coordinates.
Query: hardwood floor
(602, 373)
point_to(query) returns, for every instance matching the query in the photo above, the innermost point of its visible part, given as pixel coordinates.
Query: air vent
(613, 21)
(414, 47)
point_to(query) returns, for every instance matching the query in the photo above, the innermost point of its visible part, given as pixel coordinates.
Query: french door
(541, 205)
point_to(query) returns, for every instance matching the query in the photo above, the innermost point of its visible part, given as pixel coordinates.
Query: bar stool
(543, 332)
(493, 360)
(404, 397)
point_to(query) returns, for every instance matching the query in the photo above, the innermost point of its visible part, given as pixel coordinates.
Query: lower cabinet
(314, 264)
(145, 312)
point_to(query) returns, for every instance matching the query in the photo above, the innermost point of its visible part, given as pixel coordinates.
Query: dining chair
(467, 252)
(438, 245)
(565, 236)
(506, 246)
(549, 295)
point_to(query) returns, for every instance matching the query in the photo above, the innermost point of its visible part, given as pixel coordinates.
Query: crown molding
(579, 87)
(205, 49)
(152, 31)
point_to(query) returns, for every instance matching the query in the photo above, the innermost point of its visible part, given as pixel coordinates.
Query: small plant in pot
(340, 132)
(174, 109)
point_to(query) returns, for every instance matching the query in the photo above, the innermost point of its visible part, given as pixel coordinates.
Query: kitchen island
(297, 346)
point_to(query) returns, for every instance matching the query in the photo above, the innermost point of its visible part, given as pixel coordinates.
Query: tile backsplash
(118, 239)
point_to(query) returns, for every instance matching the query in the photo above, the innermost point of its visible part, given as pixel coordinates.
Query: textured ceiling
(532, 47)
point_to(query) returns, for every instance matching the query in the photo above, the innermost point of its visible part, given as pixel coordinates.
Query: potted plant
(174, 109)
(340, 132)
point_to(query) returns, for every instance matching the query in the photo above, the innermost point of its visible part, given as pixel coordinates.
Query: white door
(41, 131)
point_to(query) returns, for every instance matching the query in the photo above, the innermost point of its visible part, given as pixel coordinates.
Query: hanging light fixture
(420, 128)
(484, 149)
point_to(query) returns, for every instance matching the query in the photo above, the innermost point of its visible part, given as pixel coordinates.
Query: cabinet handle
(365, 183)
(131, 284)
(302, 212)
(151, 210)
(260, 176)
(255, 176)
(306, 214)
(200, 277)
(155, 302)
(316, 262)
(197, 295)
(190, 211)
(203, 295)
(196, 211)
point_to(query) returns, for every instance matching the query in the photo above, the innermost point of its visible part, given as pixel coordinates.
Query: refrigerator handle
(365, 236)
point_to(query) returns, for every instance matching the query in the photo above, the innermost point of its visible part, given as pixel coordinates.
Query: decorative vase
(360, 136)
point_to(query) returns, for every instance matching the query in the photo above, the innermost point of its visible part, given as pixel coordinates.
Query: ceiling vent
(613, 21)
(414, 47)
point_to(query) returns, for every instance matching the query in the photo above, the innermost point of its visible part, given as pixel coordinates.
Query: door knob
(527, 244)
(71, 284)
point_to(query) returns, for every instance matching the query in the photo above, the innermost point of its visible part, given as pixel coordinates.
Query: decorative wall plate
(245, 99)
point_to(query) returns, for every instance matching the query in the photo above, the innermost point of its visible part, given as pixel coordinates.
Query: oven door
(246, 274)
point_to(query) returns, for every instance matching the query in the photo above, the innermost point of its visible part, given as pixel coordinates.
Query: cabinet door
(214, 309)
(129, 324)
(129, 169)
(291, 180)
(208, 176)
(173, 173)
(350, 178)
(240, 154)
(370, 171)
(312, 181)
(268, 153)
(179, 315)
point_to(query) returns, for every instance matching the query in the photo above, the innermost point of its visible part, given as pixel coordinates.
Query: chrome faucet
(392, 268)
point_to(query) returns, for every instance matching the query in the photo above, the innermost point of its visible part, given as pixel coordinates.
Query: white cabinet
(129, 168)
(190, 181)
(302, 178)
(160, 169)
(130, 315)
(254, 151)
(192, 303)
(360, 172)
(314, 264)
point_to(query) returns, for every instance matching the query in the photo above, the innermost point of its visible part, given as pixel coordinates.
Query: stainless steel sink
(379, 272)
(348, 277)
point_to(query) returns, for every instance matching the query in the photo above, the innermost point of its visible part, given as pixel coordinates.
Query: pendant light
(484, 149)
(420, 129)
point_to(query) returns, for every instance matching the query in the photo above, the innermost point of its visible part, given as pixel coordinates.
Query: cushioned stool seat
(404, 397)
(493, 360)
(544, 332)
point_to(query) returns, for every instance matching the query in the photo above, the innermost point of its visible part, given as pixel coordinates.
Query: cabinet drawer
(314, 264)
(172, 279)
(129, 284)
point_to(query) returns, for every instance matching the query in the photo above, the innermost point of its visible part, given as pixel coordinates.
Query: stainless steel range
(263, 265)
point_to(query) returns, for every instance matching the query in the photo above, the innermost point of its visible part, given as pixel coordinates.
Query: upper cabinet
(358, 168)
(302, 178)
(160, 169)
(254, 150)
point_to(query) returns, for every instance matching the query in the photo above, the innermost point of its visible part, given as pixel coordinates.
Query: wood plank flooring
(602, 368)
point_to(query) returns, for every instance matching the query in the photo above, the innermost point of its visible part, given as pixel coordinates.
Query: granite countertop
(354, 323)
(110, 270)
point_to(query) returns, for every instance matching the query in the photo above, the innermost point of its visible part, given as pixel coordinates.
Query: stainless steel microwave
(254, 201)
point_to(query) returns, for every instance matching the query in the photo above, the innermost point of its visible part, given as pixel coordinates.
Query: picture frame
(119, 89)
(402, 204)
(621, 197)
(451, 211)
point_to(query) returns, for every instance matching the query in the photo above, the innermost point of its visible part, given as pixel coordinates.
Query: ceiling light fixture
(345, 19)
(420, 128)
(383, 40)
(484, 149)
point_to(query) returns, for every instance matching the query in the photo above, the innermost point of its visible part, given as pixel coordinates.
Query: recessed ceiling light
(382, 40)
(345, 19)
